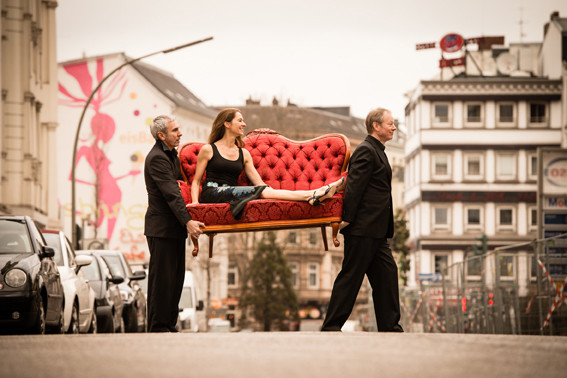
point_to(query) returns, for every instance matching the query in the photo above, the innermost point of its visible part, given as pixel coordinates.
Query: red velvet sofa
(283, 164)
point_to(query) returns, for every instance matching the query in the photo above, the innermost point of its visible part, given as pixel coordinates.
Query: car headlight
(16, 278)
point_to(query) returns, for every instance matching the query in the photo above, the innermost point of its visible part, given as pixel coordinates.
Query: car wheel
(131, 320)
(58, 329)
(94, 323)
(74, 325)
(144, 327)
(121, 327)
(39, 327)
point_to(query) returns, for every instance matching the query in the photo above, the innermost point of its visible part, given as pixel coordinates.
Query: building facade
(113, 141)
(471, 153)
(29, 111)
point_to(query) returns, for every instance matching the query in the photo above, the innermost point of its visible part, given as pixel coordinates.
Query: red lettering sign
(443, 63)
(423, 46)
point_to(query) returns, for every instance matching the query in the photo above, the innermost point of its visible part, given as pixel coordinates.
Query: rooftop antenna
(522, 22)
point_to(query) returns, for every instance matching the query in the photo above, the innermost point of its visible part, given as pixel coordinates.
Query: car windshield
(115, 266)
(186, 300)
(14, 237)
(91, 271)
(53, 241)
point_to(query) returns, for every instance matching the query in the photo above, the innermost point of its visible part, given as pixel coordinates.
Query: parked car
(144, 283)
(109, 304)
(80, 311)
(189, 305)
(134, 313)
(31, 293)
(219, 325)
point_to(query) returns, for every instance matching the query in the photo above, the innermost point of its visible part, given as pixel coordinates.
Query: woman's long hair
(218, 130)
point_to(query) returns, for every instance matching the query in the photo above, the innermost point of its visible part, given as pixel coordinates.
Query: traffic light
(464, 304)
(230, 318)
(490, 299)
(482, 248)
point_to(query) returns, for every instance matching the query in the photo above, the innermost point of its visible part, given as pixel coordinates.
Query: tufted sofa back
(283, 163)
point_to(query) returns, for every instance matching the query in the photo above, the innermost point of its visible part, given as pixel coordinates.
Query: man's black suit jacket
(167, 215)
(367, 203)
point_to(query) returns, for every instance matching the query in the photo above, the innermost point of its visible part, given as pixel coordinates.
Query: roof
(561, 22)
(299, 123)
(163, 81)
(167, 84)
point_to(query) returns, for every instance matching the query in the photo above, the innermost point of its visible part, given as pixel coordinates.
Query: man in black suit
(166, 226)
(368, 222)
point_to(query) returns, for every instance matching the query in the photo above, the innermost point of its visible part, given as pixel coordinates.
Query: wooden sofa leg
(211, 236)
(324, 234)
(195, 245)
(335, 228)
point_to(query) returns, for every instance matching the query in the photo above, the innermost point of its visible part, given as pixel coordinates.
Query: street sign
(552, 207)
(485, 43)
(423, 46)
(444, 63)
(429, 277)
(451, 43)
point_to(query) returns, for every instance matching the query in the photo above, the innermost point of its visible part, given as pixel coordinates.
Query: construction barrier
(515, 289)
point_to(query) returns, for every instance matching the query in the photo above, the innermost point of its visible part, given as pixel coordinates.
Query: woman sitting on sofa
(223, 160)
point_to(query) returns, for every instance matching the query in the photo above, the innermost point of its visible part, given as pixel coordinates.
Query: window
(441, 163)
(70, 253)
(474, 266)
(505, 166)
(441, 114)
(473, 114)
(534, 266)
(474, 164)
(532, 218)
(506, 114)
(313, 238)
(507, 267)
(292, 237)
(532, 166)
(441, 219)
(313, 275)
(505, 218)
(232, 276)
(473, 218)
(294, 267)
(441, 262)
(538, 112)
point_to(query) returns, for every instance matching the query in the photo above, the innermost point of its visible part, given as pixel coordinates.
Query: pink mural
(103, 127)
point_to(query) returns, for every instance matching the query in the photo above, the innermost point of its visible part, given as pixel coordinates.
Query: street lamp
(73, 165)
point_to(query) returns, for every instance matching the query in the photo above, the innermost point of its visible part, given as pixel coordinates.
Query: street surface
(297, 354)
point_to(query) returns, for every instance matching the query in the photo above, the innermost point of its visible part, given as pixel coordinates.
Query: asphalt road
(297, 354)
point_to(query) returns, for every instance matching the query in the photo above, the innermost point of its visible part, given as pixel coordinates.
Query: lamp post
(73, 165)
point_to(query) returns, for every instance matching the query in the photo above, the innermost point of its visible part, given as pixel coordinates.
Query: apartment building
(29, 111)
(471, 152)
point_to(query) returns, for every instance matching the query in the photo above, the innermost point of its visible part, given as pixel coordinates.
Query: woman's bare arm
(250, 170)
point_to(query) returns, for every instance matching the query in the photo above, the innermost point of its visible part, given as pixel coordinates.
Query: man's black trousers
(165, 282)
(371, 257)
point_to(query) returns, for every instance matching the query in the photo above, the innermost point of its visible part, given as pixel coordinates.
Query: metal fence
(516, 289)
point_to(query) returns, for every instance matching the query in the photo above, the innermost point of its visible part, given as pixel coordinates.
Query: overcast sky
(357, 53)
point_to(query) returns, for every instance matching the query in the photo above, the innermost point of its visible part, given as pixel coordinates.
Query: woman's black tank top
(223, 171)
